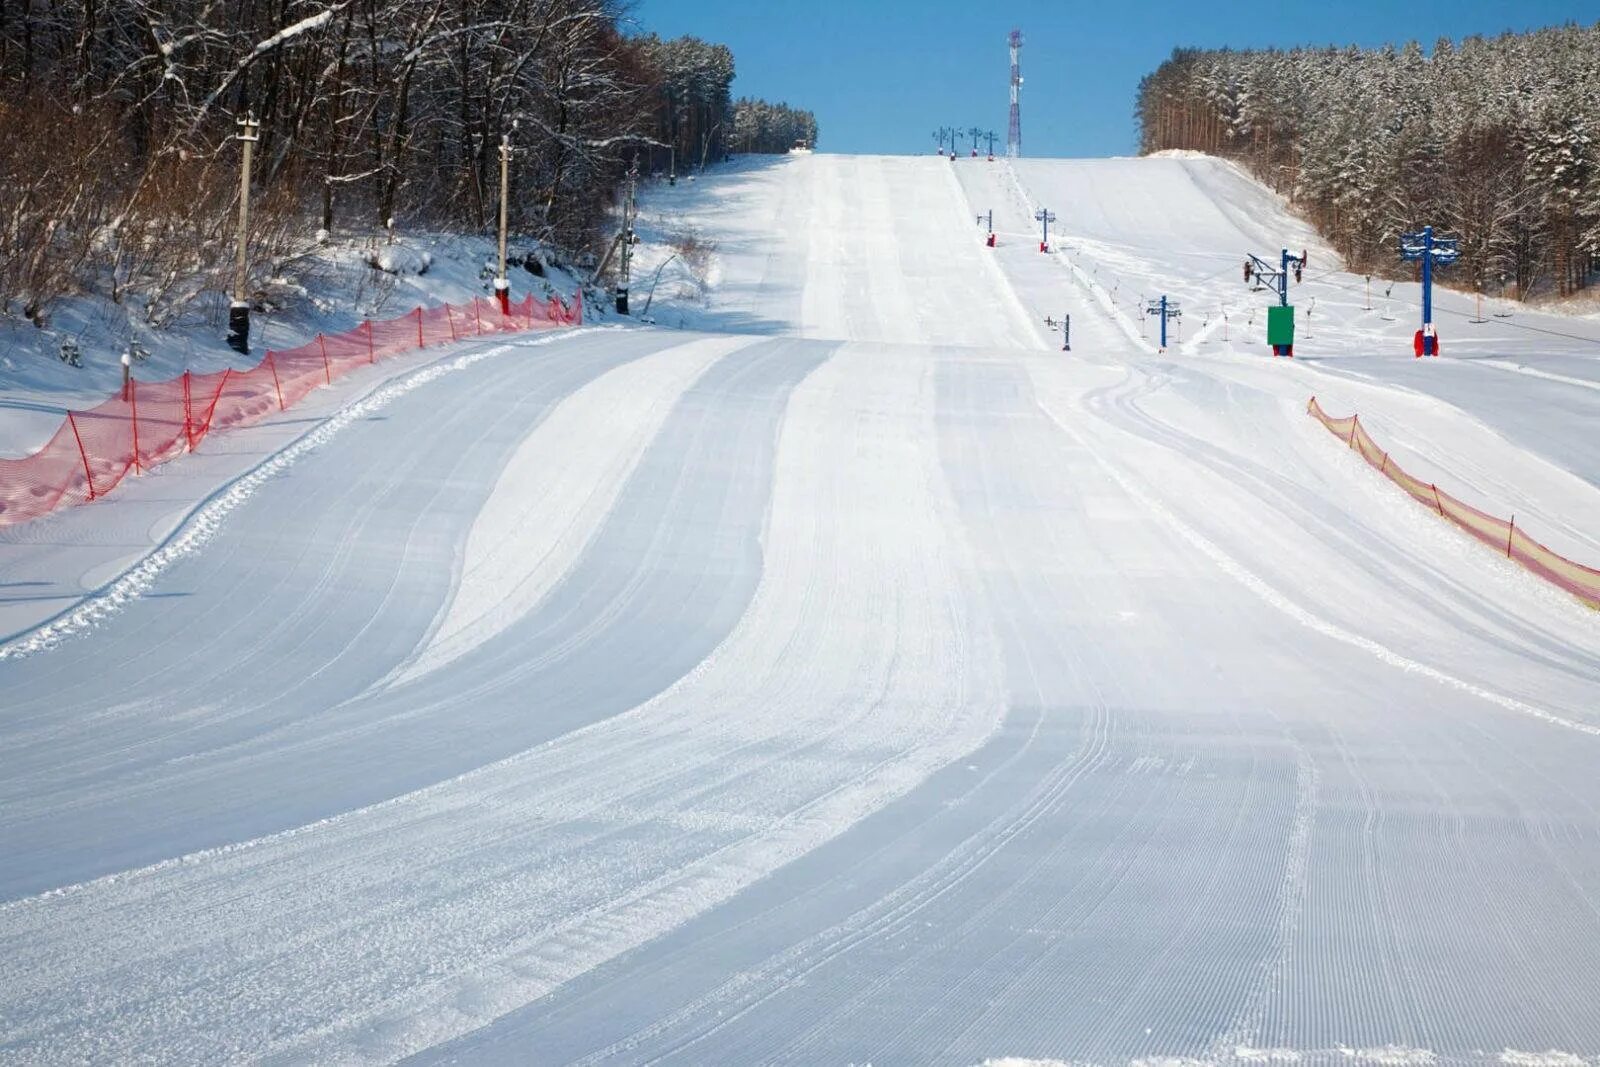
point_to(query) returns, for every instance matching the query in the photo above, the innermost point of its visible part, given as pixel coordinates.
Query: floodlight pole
(239, 309)
(629, 210)
(502, 285)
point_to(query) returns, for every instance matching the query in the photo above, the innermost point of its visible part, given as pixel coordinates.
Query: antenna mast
(1014, 131)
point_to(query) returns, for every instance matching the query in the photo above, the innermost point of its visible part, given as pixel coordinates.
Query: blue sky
(881, 75)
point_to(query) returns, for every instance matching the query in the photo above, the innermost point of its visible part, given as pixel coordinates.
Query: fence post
(420, 342)
(87, 473)
(1510, 533)
(1436, 503)
(372, 351)
(216, 399)
(133, 403)
(273, 367)
(477, 310)
(1355, 420)
(327, 373)
(188, 412)
(451, 319)
(1385, 468)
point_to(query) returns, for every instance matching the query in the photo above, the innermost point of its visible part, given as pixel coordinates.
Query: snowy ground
(331, 288)
(849, 676)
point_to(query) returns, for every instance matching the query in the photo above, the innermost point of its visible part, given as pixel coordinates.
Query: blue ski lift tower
(1422, 246)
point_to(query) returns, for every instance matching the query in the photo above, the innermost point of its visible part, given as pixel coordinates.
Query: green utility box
(1280, 327)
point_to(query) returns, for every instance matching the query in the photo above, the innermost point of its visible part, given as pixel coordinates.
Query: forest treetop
(1495, 139)
(116, 122)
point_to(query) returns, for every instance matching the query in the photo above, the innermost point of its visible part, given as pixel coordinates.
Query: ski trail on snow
(862, 665)
(203, 524)
(1251, 581)
(555, 493)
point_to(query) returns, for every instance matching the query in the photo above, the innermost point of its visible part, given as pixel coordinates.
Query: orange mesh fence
(1503, 535)
(105, 437)
(161, 415)
(94, 450)
(52, 477)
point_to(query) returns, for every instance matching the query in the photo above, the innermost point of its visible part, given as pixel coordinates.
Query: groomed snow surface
(850, 677)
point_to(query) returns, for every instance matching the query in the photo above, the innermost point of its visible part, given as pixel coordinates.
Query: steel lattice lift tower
(1014, 130)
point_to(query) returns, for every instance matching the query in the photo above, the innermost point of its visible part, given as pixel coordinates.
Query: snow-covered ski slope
(856, 678)
(1516, 386)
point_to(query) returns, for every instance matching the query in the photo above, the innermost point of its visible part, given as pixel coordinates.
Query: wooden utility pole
(502, 286)
(239, 310)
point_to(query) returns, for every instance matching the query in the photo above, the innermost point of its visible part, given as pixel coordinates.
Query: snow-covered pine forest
(759, 126)
(118, 173)
(1497, 140)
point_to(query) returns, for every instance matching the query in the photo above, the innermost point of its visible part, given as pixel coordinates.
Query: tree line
(117, 122)
(762, 127)
(1492, 139)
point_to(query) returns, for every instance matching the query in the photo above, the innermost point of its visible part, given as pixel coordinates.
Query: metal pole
(502, 285)
(1283, 280)
(1163, 320)
(651, 295)
(239, 310)
(1427, 281)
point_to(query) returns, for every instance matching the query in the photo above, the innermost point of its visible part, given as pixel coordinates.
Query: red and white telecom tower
(1014, 131)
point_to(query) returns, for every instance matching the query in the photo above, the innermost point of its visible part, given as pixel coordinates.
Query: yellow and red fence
(1502, 535)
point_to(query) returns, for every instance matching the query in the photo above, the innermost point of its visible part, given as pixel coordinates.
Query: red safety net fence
(152, 422)
(1502, 535)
